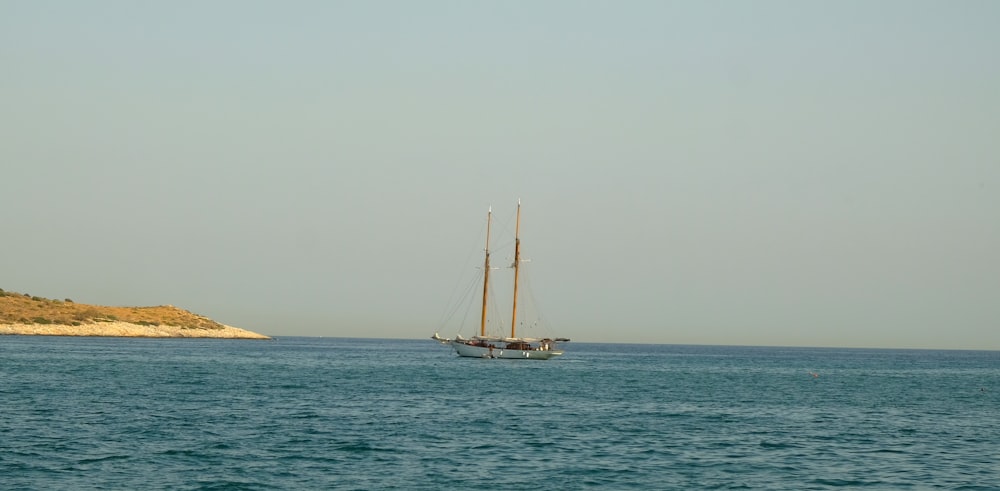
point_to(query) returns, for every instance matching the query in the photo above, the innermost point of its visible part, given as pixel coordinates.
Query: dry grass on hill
(18, 308)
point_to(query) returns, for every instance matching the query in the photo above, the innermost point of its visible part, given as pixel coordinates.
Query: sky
(784, 173)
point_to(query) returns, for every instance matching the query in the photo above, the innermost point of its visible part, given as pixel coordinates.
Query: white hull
(464, 349)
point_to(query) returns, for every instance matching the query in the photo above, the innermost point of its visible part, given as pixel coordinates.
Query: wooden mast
(517, 264)
(486, 272)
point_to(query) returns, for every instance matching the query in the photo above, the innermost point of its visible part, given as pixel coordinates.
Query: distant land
(23, 314)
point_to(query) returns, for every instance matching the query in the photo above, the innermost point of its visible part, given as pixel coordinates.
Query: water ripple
(374, 414)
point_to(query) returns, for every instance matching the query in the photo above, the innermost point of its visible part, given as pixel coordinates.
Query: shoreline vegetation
(23, 314)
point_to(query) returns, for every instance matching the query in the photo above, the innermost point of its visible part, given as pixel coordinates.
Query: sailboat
(512, 347)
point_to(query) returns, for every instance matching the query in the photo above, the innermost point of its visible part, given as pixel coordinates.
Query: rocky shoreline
(128, 329)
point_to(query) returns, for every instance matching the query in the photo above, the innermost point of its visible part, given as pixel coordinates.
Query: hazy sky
(768, 172)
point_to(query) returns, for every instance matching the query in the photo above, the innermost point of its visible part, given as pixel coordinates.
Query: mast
(517, 264)
(486, 272)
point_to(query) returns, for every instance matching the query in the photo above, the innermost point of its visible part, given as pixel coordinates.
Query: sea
(360, 414)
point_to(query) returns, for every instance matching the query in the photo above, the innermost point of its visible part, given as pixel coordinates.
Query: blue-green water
(322, 413)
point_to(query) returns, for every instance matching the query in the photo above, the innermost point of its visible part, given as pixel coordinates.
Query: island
(23, 314)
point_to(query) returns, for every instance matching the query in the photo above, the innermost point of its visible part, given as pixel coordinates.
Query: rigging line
(495, 321)
(542, 321)
(466, 265)
(456, 300)
(506, 231)
(457, 283)
(457, 303)
(468, 311)
(506, 225)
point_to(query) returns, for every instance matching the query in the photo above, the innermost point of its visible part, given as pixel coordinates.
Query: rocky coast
(128, 329)
(23, 314)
